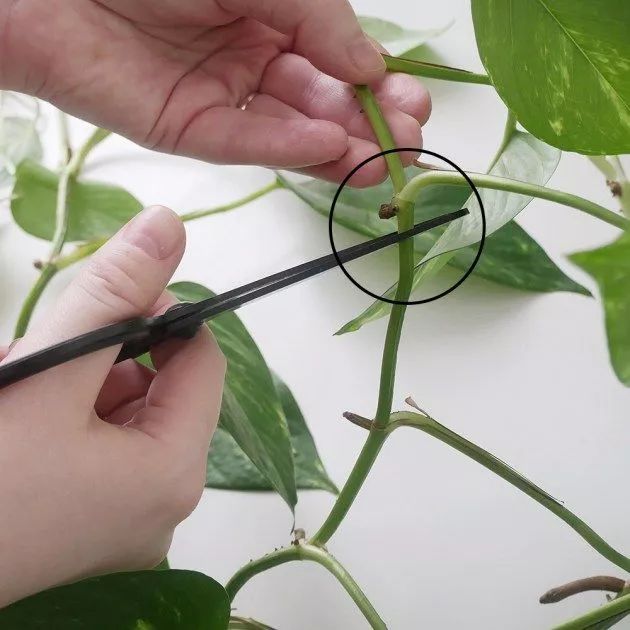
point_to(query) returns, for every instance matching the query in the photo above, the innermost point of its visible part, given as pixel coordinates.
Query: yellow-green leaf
(95, 210)
(610, 266)
(252, 411)
(563, 67)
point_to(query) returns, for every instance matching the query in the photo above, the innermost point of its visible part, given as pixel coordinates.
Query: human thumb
(122, 280)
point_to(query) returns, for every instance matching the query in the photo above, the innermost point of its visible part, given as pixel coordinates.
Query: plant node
(299, 536)
(388, 211)
(615, 187)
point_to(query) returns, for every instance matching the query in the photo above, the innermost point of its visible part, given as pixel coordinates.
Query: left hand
(173, 75)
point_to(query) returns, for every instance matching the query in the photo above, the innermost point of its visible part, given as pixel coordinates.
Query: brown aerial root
(597, 583)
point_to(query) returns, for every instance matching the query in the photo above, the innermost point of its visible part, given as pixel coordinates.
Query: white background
(435, 540)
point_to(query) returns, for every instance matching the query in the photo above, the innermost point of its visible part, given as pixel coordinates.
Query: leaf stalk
(310, 553)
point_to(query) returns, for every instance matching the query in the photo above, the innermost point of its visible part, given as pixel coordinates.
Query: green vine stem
(313, 554)
(87, 249)
(200, 214)
(615, 608)
(435, 429)
(377, 436)
(415, 185)
(28, 307)
(69, 171)
(434, 71)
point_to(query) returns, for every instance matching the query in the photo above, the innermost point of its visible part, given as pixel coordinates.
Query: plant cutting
(263, 442)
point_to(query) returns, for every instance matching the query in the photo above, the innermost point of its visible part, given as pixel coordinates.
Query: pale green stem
(615, 608)
(377, 436)
(87, 249)
(49, 268)
(621, 171)
(434, 71)
(66, 143)
(612, 169)
(313, 554)
(489, 461)
(199, 214)
(413, 188)
(602, 164)
(46, 275)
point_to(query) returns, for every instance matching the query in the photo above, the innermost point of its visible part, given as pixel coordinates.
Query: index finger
(184, 399)
(326, 32)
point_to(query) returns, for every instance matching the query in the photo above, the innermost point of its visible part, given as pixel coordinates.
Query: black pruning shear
(182, 321)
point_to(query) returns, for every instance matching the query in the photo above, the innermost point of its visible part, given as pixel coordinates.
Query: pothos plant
(577, 57)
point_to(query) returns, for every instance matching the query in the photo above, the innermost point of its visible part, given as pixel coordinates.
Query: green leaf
(563, 67)
(395, 38)
(524, 159)
(95, 210)
(144, 600)
(610, 266)
(511, 257)
(229, 468)
(19, 141)
(252, 411)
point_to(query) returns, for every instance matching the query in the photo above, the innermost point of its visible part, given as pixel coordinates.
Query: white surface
(435, 540)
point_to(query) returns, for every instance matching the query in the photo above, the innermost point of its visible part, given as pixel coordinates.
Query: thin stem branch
(492, 463)
(313, 554)
(383, 134)
(47, 273)
(434, 71)
(377, 436)
(66, 144)
(71, 169)
(413, 188)
(200, 214)
(89, 248)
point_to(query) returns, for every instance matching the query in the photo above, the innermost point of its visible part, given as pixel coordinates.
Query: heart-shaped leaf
(95, 210)
(144, 600)
(229, 467)
(252, 410)
(511, 257)
(610, 266)
(395, 38)
(562, 68)
(19, 140)
(524, 159)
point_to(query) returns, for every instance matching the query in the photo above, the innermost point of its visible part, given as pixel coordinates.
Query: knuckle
(110, 281)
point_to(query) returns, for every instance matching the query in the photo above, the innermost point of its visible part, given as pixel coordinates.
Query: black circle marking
(381, 298)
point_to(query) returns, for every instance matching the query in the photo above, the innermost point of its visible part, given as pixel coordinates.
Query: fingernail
(157, 231)
(366, 57)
